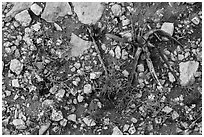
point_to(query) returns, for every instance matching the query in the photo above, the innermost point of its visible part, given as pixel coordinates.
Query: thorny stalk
(98, 52)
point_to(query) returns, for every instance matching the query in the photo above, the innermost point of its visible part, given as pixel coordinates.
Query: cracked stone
(53, 10)
(116, 9)
(23, 17)
(87, 89)
(36, 9)
(72, 117)
(116, 131)
(89, 121)
(43, 128)
(88, 12)
(187, 71)
(79, 45)
(195, 20)
(16, 66)
(168, 27)
(132, 129)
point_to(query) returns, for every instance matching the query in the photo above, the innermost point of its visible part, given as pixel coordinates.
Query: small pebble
(87, 89)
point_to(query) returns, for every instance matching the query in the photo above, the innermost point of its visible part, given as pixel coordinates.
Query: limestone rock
(36, 9)
(168, 27)
(60, 93)
(16, 66)
(19, 124)
(23, 17)
(89, 121)
(116, 9)
(87, 89)
(116, 131)
(72, 117)
(43, 128)
(79, 45)
(187, 71)
(53, 10)
(56, 115)
(88, 12)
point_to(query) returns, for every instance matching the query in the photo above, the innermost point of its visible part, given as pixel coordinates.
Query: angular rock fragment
(72, 117)
(168, 27)
(16, 66)
(78, 45)
(56, 115)
(116, 131)
(116, 9)
(36, 9)
(19, 124)
(118, 52)
(43, 128)
(60, 93)
(24, 18)
(87, 89)
(88, 12)
(89, 121)
(53, 10)
(187, 71)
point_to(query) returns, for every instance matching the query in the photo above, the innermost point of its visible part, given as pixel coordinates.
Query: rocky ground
(67, 68)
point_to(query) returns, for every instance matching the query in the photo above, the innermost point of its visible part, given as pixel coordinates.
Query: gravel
(16, 66)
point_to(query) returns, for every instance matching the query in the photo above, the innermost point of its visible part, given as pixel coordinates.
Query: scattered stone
(134, 120)
(167, 109)
(140, 68)
(57, 27)
(80, 98)
(171, 77)
(125, 73)
(44, 128)
(116, 9)
(36, 26)
(36, 9)
(175, 115)
(89, 121)
(126, 127)
(19, 124)
(24, 18)
(79, 45)
(195, 20)
(111, 52)
(63, 122)
(116, 131)
(132, 129)
(60, 93)
(187, 71)
(56, 115)
(87, 89)
(53, 90)
(47, 103)
(168, 27)
(7, 92)
(16, 66)
(118, 52)
(180, 57)
(125, 22)
(18, 7)
(15, 83)
(72, 117)
(53, 10)
(88, 12)
(77, 65)
(95, 75)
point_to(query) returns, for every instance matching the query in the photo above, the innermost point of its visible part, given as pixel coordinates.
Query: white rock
(116, 9)
(88, 12)
(53, 89)
(72, 117)
(116, 131)
(175, 115)
(168, 27)
(195, 20)
(23, 17)
(77, 65)
(125, 73)
(167, 109)
(132, 129)
(95, 75)
(53, 10)
(19, 124)
(36, 9)
(7, 92)
(36, 26)
(187, 71)
(43, 128)
(118, 52)
(79, 45)
(63, 122)
(87, 89)
(16, 66)
(111, 52)
(140, 68)
(18, 7)
(80, 98)
(126, 127)
(89, 121)
(60, 93)
(57, 27)
(171, 77)
(15, 83)
(56, 115)
(125, 22)
(180, 57)
(134, 120)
